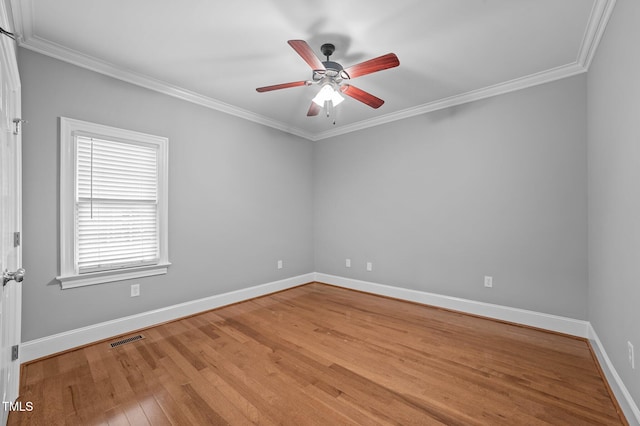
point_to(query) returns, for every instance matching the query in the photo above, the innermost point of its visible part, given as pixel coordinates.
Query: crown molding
(56, 51)
(598, 20)
(474, 95)
(22, 11)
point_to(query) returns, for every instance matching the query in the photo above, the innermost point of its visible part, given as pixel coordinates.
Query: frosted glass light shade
(327, 93)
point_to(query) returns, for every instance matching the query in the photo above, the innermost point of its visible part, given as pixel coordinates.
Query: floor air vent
(127, 340)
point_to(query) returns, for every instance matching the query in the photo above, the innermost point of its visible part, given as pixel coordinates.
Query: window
(113, 204)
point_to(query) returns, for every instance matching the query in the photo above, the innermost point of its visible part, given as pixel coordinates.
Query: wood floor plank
(208, 399)
(318, 354)
(153, 412)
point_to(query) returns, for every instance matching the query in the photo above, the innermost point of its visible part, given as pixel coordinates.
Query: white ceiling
(215, 53)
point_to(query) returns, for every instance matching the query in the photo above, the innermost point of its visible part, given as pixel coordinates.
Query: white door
(10, 219)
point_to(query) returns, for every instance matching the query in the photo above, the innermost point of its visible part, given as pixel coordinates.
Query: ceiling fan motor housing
(333, 68)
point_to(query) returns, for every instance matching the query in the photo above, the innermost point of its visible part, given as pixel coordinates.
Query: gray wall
(495, 187)
(614, 194)
(240, 197)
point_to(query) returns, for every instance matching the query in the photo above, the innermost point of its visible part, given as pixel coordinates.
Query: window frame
(69, 277)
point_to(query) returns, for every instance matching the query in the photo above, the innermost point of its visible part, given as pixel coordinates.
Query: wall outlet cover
(488, 281)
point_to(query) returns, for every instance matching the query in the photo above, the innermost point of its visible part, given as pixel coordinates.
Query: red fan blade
(361, 95)
(380, 63)
(314, 109)
(307, 54)
(281, 86)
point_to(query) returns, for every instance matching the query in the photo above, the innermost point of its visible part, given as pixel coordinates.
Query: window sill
(72, 281)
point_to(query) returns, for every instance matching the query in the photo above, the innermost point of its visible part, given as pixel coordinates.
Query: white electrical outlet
(135, 290)
(488, 281)
(369, 266)
(347, 263)
(280, 264)
(632, 358)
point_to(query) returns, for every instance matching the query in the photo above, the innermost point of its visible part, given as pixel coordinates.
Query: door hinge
(17, 123)
(16, 239)
(14, 352)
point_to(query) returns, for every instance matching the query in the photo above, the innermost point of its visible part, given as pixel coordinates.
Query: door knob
(7, 276)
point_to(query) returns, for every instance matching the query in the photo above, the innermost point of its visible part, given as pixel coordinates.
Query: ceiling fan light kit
(328, 94)
(330, 75)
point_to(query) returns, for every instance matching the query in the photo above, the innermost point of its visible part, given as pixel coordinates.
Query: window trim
(68, 129)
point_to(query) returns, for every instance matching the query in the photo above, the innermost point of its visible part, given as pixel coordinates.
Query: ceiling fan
(331, 76)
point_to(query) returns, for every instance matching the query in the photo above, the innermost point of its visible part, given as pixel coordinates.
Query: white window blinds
(116, 208)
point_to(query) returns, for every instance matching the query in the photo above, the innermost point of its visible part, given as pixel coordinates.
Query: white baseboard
(60, 342)
(550, 322)
(628, 405)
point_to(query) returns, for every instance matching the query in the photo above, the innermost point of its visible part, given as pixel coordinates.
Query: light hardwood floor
(318, 354)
